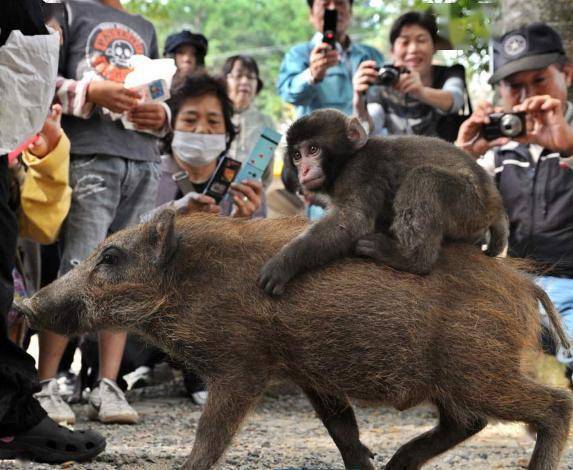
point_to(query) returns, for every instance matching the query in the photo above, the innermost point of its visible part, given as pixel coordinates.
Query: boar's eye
(111, 256)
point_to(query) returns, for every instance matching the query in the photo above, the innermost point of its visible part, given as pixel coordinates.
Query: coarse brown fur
(456, 338)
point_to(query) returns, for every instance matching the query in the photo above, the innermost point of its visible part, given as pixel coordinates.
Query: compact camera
(504, 125)
(388, 75)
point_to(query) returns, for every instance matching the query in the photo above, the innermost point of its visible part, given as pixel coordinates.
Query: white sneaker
(200, 398)
(51, 400)
(107, 404)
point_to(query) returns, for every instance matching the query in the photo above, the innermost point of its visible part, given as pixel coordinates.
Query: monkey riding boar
(394, 199)
(352, 330)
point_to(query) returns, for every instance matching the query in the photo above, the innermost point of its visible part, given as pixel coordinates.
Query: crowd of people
(84, 173)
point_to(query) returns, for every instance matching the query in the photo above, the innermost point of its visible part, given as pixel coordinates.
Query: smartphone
(329, 27)
(261, 155)
(224, 175)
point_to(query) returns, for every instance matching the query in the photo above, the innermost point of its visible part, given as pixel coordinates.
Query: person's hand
(112, 95)
(247, 197)
(546, 124)
(322, 57)
(148, 116)
(469, 135)
(195, 202)
(365, 76)
(410, 83)
(49, 135)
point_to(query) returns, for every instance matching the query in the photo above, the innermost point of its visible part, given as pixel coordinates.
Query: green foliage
(266, 29)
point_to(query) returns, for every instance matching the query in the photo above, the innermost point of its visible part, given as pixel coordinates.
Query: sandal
(50, 443)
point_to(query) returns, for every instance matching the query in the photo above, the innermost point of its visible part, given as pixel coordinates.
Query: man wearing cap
(188, 50)
(313, 75)
(532, 173)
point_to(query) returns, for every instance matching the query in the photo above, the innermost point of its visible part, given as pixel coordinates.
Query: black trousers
(19, 410)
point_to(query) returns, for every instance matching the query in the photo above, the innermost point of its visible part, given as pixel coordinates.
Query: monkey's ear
(356, 133)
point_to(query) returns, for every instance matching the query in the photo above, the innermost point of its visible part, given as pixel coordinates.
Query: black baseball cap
(530, 47)
(198, 41)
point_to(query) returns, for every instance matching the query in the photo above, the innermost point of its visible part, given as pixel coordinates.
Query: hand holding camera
(471, 137)
(538, 120)
(545, 124)
(322, 58)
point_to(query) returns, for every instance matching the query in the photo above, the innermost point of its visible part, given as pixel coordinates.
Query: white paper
(28, 72)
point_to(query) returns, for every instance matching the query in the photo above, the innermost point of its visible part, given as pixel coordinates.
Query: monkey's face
(306, 157)
(319, 146)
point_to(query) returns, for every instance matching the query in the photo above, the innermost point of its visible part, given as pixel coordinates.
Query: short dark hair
(311, 3)
(426, 20)
(199, 84)
(246, 61)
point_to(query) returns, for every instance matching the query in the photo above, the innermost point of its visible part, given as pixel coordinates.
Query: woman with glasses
(243, 85)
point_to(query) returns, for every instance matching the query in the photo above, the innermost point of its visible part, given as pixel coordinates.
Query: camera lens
(388, 76)
(510, 125)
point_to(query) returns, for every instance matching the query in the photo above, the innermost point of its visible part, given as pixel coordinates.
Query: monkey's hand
(274, 276)
(377, 246)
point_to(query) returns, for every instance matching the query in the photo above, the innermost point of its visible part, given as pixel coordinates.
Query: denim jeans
(560, 291)
(108, 194)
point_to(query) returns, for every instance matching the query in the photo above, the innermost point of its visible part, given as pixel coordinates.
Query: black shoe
(50, 443)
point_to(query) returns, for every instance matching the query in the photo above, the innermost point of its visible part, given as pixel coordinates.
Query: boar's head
(122, 284)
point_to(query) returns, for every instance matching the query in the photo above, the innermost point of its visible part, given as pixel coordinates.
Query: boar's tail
(498, 235)
(554, 318)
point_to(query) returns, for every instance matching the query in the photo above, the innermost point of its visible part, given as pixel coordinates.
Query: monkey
(394, 199)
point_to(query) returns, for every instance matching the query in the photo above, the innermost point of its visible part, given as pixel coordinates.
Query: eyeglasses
(238, 76)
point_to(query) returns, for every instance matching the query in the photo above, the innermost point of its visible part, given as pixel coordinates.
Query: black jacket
(538, 198)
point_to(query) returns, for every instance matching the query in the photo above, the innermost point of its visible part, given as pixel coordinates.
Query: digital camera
(504, 125)
(388, 75)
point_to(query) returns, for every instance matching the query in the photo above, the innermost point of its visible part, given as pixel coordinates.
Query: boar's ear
(356, 133)
(165, 239)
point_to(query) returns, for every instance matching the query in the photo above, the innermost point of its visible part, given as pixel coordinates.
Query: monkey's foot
(377, 246)
(274, 277)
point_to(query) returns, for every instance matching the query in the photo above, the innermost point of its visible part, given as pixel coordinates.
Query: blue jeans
(108, 194)
(560, 291)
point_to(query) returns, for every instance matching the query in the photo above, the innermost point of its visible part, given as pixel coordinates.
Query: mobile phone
(329, 27)
(261, 155)
(224, 175)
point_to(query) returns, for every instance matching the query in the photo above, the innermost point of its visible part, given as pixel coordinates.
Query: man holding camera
(535, 180)
(314, 75)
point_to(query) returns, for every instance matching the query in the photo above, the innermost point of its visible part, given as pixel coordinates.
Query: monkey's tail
(498, 236)
(554, 317)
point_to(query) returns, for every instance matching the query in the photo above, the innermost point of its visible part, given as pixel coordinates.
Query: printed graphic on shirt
(109, 49)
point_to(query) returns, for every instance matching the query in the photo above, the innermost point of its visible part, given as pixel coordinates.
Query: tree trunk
(556, 13)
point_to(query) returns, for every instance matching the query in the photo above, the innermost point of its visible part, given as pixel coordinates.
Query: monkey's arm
(330, 238)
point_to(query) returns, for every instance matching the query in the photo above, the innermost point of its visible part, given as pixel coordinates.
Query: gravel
(283, 433)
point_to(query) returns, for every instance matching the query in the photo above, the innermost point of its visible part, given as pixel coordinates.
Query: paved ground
(283, 433)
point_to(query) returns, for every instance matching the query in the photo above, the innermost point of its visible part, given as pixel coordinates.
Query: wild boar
(352, 330)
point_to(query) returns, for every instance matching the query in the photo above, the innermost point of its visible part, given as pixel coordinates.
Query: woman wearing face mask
(243, 85)
(424, 99)
(203, 133)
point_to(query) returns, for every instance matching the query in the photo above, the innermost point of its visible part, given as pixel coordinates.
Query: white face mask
(27, 85)
(198, 149)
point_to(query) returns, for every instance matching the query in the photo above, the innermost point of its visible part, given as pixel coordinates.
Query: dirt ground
(283, 433)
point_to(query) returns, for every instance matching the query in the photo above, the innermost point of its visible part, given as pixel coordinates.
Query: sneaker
(51, 400)
(107, 404)
(200, 398)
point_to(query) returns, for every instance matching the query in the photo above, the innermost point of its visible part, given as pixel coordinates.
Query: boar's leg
(338, 418)
(227, 405)
(448, 433)
(546, 409)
